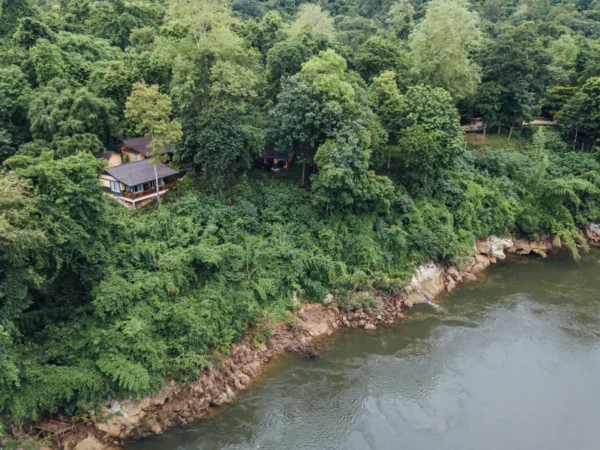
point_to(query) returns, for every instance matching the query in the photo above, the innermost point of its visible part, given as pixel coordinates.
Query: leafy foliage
(440, 47)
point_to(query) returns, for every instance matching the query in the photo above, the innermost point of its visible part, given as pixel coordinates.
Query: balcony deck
(148, 192)
(130, 199)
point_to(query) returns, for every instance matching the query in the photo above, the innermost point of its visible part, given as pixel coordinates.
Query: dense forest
(364, 98)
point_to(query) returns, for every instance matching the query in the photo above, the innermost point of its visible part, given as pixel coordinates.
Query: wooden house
(134, 184)
(112, 158)
(130, 177)
(276, 160)
(138, 149)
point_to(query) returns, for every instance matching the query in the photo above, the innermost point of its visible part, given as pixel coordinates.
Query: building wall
(105, 180)
(115, 160)
(131, 154)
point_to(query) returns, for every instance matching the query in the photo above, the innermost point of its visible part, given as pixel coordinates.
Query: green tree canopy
(440, 46)
(431, 137)
(59, 110)
(150, 112)
(221, 141)
(518, 62)
(344, 180)
(381, 54)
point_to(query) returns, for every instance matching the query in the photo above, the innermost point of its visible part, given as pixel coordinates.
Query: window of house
(161, 181)
(151, 184)
(138, 187)
(136, 157)
(115, 186)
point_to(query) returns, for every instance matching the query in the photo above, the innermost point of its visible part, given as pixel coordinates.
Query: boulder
(483, 247)
(242, 377)
(370, 326)
(428, 281)
(556, 242)
(328, 299)
(470, 277)
(494, 247)
(592, 232)
(91, 443)
(482, 259)
(450, 286)
(452, 271)
(499, 245)
(479, 267)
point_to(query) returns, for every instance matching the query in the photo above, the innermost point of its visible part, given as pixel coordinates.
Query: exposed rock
(370, 326)
(328, 299)
(242, 377)
(479, 267)
(452, 271)
(450, 285)
(592, 233)
(470, 277)
(91, 443)
(428, 280)
(494, 247)
(556, 242)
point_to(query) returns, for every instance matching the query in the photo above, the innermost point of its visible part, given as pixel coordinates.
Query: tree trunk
(575, 140)
(510, 133)
(304, 164)
(499, 128)
(389, 157)
(484, 127)
(156, 181)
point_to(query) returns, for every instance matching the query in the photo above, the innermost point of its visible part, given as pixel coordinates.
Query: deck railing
(146, 192)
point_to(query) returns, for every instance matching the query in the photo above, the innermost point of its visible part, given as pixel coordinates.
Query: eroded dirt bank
(178, 405)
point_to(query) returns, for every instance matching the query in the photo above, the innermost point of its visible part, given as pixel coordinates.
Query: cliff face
(179, 405)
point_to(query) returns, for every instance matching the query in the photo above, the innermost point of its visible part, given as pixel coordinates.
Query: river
(509, 362)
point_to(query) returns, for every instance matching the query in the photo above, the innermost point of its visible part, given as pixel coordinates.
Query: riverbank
(179, 405)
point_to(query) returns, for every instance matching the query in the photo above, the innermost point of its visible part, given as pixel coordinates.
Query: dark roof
(140, 145)
(271, 153)
(139, 172)
(105, 155)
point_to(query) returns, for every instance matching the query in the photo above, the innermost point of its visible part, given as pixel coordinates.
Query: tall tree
(221, 141)
(10, 13)
(344, 180)
(313, 19)
(440, 46)
(430, 138)
(517, 61)
(59, 111)
(310, 105)
(582, 111)
(211, 64)
(400, 18)
(389, 107)
(150, 112)
(379, 54)
(488, 103)
(286, 57)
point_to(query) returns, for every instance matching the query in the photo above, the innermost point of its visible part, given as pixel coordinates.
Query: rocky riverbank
(179, 405)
